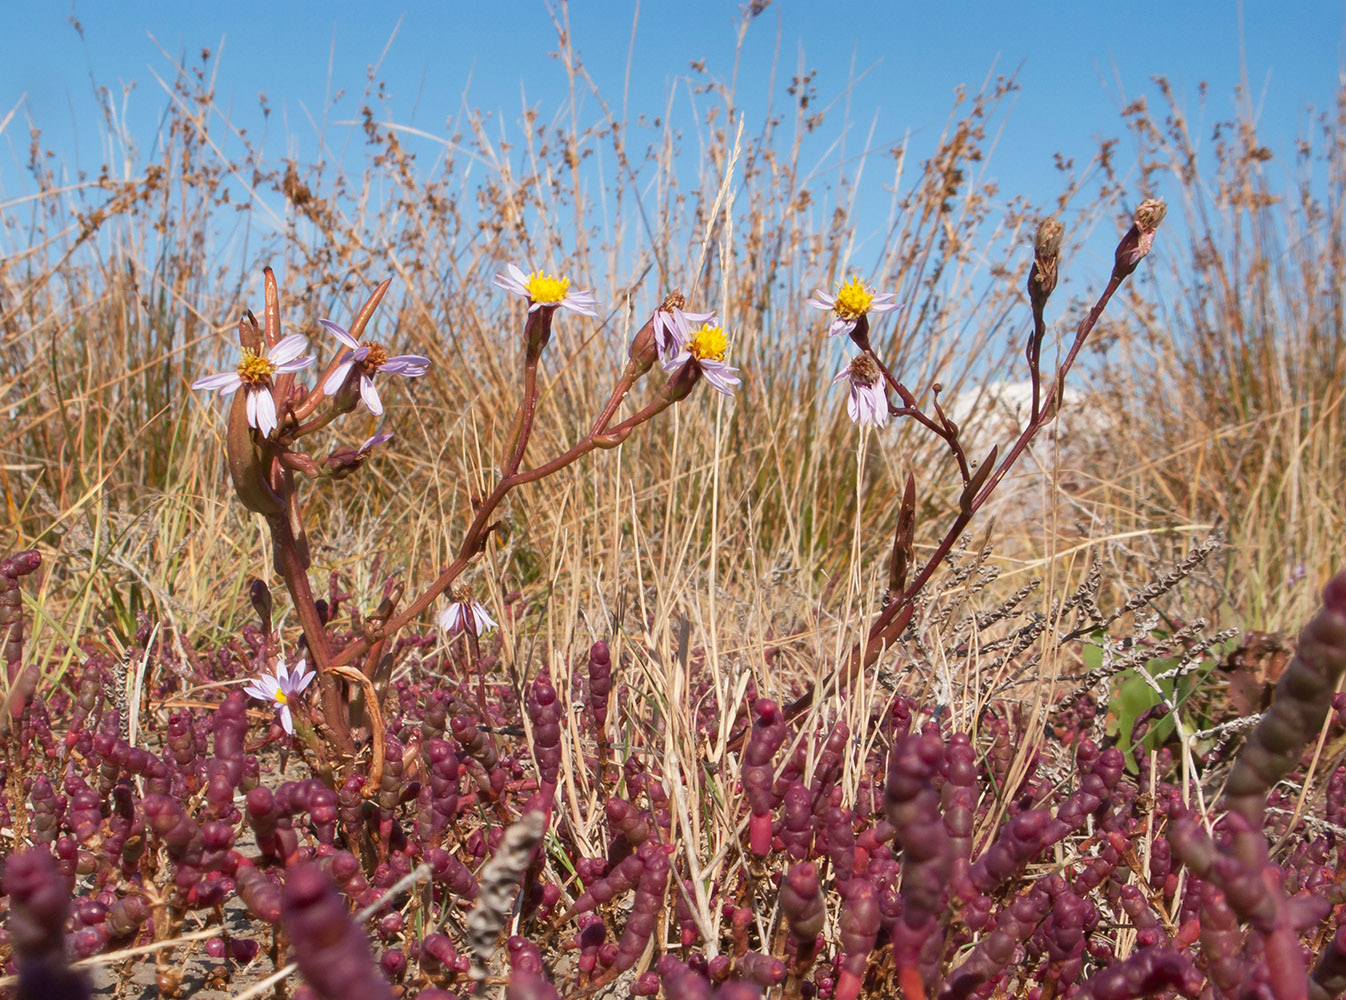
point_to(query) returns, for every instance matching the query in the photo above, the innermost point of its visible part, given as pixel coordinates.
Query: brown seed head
(864, 371)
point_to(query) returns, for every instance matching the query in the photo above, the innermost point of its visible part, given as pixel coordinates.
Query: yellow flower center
(280, 697)
(853, 300)
(375, 359)
(547, 289)
(254, 368)
(708, 344)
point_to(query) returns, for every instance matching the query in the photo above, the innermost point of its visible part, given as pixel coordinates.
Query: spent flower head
(256, 373)
(456, 616)
(545, 291)
(868, 402)
(279, 688)
(368, 358)
(853, 300)
(706, 349)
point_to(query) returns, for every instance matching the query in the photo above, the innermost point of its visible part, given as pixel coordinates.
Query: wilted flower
(373, 441)
(343, 461)
(255, 372)
(851, 302)
(545, 291)
(369, 358)
(706, 348)
(454, 618)
(280, 687)
(868, 403)
(672, 326)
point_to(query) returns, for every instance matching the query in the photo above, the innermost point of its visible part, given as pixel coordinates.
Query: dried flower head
(256, 373)
(853, 300)
(1046, 253)
(868, 402)
(1140, 237)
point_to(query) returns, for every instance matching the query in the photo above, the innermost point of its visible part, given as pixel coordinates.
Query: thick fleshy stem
(331, 950)
(768, 733)
(912, 803)
(993, 954)
(649, 901)
(1297, 711)
(600, 683)
(1147, 972)
(544, 712)
(39, 897)
(623, 878)
(858, 927)
(22, 682)
(801, 902)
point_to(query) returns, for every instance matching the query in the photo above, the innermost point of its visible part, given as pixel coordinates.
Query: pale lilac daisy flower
(706, 348)
(868, 403)
(672, 326)
(255, 372)
(546, 290)
(851, 302)
(280, 687)
(368, 359)
(455, 617)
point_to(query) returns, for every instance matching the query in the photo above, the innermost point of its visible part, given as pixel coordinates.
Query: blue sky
(1077, 64)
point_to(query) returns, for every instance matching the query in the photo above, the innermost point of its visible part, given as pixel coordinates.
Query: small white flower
(256, 371)
(545, 290)
(280, 687)
(851, 302)
(453, 618)
(368, 359)
(868, 402)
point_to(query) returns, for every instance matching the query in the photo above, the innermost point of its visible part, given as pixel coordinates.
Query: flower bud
(644, 351)
(1046, 251)
(1139, 238)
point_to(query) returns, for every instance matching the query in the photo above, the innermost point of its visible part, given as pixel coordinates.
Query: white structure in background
(995, 414)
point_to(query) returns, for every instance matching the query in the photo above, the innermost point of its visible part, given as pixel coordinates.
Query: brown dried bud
(1139, 238)
(1046, 252)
